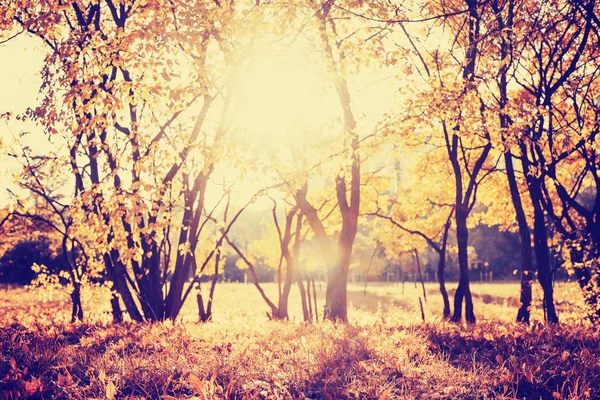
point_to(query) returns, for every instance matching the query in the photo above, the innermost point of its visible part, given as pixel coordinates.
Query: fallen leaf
(198, 385)
(111, 390)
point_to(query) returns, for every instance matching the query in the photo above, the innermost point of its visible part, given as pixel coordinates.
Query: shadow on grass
(33, 365)
(518, 362)
(542, 362)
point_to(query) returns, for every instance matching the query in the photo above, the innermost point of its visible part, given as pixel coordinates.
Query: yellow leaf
(111, 390)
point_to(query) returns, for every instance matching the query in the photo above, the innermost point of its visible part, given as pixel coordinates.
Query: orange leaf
(198, 385)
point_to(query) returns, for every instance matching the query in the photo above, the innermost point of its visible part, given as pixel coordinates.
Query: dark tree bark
(117, 313)
(441, 275)
(542, 252)
(466, 187)
(308, 298)
(463, 291)
(77, 310)
(304, 299)
(291, 260)
(213, 286)
(588, 282)
(523, 314)
(505, 24)
(418, 261)
(314, 292)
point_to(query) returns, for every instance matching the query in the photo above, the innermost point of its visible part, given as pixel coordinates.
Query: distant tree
(439, 244)
(16, 263)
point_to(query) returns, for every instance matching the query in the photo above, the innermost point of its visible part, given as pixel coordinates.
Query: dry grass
(386, 352)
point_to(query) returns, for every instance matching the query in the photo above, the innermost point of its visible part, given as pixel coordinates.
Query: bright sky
(22, 60)
(284, 94)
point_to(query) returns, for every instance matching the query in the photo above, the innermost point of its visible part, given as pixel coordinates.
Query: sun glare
(284, 97)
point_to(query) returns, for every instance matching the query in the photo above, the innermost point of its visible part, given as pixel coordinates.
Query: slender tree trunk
(336, 293)
(153, 293)
(542, 252)
(540, 238)
(463, 291)
(524, 233)
(203, 315)
(441, 273)
(304, 299)
(403, 281)
(120, 282)
(525, 238)
(282, 306)
(416, 254)
(213, 286)
(181, 271)
(314, 292)
(194, 203)
(77, 311)
(308, 295)
(252, 271)
(117, 313)
(442, 282)
(588, 281)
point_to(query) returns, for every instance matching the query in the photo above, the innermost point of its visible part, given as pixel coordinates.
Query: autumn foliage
(177, 145)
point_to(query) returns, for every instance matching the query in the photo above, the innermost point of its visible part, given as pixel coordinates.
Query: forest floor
(385, 352)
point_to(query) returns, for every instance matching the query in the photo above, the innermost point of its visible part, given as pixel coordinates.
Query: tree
(16, 263)
(505, 23)
(337, 278)
(132, 154)
(555, 140)
(439, 246)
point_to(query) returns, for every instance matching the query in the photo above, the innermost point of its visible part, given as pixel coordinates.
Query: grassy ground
(385, 352)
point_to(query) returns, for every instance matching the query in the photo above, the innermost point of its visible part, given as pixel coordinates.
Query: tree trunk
(336, 292)
(314, 292)
(525, 237)
(121, 286)
(588, 280)
(416, 255)
(505, 122)
(77, 310)
(152, 295)
(304, 299)
(117, 313)
(442, 282)
(282, 306)
(463, 290)
(308, 295)
(337, 280)
(204, 315)
(194, 203)
(542, 252)
(213, 286)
